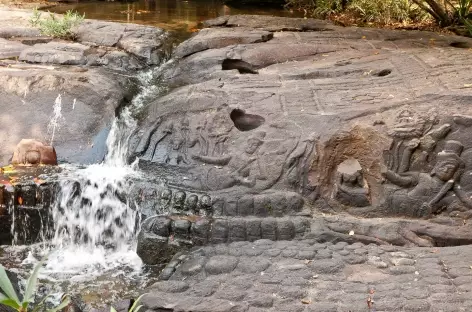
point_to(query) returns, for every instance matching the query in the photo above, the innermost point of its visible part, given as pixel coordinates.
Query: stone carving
(191, 205)
(32, 152)
(429, 165)
(428, 189)
(236, 169)
(351, 188)
(179, 202)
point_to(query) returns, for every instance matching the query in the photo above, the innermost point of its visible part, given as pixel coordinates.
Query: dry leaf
(306, 301)
(20, 200)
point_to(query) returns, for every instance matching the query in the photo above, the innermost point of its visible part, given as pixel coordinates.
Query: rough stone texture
(56, 53)
(142, 41)
(161, 235)
(333, 121)
(219, 38)
(10, 49)
(426, 282)
(90, 97)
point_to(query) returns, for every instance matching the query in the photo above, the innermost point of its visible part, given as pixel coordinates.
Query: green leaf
(31, 284)
(6, 285)
(112, 309)
(136, 302)
(41, 304)
(11, 303)
(137, 309)
(63, 304)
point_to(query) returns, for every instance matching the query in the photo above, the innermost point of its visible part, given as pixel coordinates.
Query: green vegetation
(443, 12)
(10, 298)
(55, 26)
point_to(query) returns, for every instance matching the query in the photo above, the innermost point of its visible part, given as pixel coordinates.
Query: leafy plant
(56, 26)
(386, 11)
(10, 298)
(134, 307)
(447, 12)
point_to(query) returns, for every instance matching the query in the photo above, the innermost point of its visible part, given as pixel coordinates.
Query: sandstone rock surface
(258, 123)
(89, 80)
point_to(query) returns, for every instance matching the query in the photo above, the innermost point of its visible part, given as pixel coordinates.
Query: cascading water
(94, 221)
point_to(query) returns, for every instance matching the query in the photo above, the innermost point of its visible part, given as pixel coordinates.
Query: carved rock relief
(427, 169)
(208, 152)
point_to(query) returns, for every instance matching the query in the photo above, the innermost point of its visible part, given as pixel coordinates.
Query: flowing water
(179, 16)
(92, 250)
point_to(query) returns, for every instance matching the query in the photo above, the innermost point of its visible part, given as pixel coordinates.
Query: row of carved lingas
(270, 203)
(161, 236)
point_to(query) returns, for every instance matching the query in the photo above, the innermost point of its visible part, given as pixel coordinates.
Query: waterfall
(56, 117)
(94, 221)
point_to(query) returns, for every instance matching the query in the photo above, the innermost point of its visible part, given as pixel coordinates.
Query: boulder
(145, 42)
(85, 100)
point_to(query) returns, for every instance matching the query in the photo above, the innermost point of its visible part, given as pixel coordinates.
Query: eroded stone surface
(263, 126)
(425, 282)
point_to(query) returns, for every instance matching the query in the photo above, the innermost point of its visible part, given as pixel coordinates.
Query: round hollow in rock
(245, 122)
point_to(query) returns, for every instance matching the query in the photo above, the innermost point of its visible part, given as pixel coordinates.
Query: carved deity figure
(205, 206)
(165, 200)
(191, 205)
(179, 202)
(351, 188)
(236, 169)
(426, 190)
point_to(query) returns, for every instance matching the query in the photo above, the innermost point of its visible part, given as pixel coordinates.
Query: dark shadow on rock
(245, 122)
(242, 66)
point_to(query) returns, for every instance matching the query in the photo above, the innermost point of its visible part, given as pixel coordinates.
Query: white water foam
(55, 119)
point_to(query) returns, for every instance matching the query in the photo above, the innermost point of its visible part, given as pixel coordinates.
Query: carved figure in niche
(179, 201)
(428, 193)
(219, 128)
(351, 188)
(237, 169)
(205, 206)
(191, 205)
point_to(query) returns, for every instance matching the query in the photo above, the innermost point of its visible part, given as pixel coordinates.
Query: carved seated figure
(236, 169)
(428, 191)
(351, 188)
